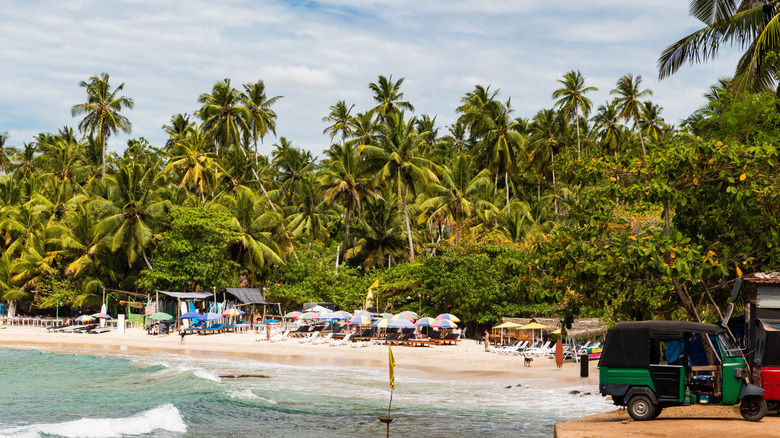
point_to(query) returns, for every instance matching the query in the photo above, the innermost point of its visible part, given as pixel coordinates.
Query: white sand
(465, 361)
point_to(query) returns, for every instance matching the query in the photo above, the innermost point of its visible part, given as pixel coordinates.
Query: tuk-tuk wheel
(752, 408)
(641, 408)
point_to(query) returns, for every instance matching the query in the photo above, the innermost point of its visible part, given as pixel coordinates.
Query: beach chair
(277, 337)
(322, 339)
(342, 341)
(309, 338)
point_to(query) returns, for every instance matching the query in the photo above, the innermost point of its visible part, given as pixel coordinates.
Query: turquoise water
(60, 395)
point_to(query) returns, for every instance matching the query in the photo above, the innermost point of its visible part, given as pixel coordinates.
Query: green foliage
(58, 289)
(192, 255)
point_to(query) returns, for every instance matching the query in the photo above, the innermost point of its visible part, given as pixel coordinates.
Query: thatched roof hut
(582, 328)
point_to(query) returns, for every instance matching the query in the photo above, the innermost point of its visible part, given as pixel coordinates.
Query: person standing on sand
(487, 340)
(182, 332)
(267, 331)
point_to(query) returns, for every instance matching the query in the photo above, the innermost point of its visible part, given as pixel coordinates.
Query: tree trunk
(149, 265)
(346, 234)
(552, 166)
(641, 141)
(103, 149)
(408, 226)
(667, 228)
(506, 182)
(577, 122)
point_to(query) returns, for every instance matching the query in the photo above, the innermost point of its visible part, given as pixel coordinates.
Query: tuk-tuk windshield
(728, 346)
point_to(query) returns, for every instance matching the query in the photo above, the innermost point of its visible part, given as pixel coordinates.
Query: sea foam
(165, 417)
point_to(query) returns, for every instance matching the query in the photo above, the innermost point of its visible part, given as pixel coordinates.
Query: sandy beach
(465, 361)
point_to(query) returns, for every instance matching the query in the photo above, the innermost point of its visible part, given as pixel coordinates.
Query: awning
(187, 295)
(247, 295)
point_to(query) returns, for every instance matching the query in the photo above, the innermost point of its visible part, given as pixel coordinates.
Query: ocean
(44, 394)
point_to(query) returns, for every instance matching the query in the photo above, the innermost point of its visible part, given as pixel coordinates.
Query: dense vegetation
(609, 212)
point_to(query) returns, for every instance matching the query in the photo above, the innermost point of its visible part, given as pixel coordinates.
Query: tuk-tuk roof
(628, 344)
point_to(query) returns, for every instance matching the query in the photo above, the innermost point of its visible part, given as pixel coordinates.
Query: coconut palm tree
(380, 232)
(257, 249)
(309, 215)
(651, 124)
(388, 95)
(572, 100)
(102, 111)
(194, 167)
(131, 211)
(608, 127)
(5, 153)
(224, 117)
(501, 141)
(179, 127)
(339, 118)
(346, 180)
(751, 25)
(262, 117)
(397, 159)
(627, 100)
(453, 201)
(364, 128)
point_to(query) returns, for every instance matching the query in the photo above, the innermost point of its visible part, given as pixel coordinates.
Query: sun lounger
(450, 338)
(322, 339)
(309, 338)
(100, 330)
(343, 341)
(216, 328)
(280, 336)
(60, 328)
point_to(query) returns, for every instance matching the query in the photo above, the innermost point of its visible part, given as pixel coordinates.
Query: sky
(315, 53)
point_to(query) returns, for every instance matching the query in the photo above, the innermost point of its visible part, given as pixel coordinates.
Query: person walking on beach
(487, 340)
(182, 332)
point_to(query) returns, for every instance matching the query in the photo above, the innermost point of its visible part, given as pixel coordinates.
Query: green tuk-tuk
(649, 365)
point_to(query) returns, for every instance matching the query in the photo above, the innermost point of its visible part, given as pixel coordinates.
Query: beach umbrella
(508, 324)
(101, 315)
(423, 322)
(293, 315)
(85, 318)
(363, 312)
(319, 309)
(210, 316)
(360, 320)
(190, 315)
(533, 326)
(401, 316)
(381, 323)
(556, 332)
(233, 312)
(337, 315)
(160, 316)
(310, 316)
(401, 323)
(449, 316)
(445, 324)
(410, 315)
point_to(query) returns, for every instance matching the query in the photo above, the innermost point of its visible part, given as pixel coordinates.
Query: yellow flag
(392, 364)
(370, 293)
(376, 284)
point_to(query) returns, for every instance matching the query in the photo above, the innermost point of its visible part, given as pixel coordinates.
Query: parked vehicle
(766, 360)
(649, 365)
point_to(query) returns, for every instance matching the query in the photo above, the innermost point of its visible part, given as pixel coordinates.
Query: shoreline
(466, 361)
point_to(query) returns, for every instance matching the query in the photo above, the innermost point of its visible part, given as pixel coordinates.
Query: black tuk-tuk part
(632, 344)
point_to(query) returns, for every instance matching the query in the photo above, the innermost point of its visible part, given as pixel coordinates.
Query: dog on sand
(527, 361)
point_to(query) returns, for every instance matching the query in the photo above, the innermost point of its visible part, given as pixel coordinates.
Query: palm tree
(262, 117)
(475, 106)
(397, 159)
(607, 124)
(102, 111)
(339, 118)
(628, 93)
(387, 93)
(223, 115)
(194, 167)
(364, 128)
(255, 224)
(651, 124)
(752, 25)
(310, 214)
(501, 140)
(179, 127)
(572, 100)
(130, 211)
(5, 152)
(454, 200)
(380, 232)
(346, 178)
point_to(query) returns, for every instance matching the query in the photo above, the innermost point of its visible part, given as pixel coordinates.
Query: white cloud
(297, 75)
(317, 52)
